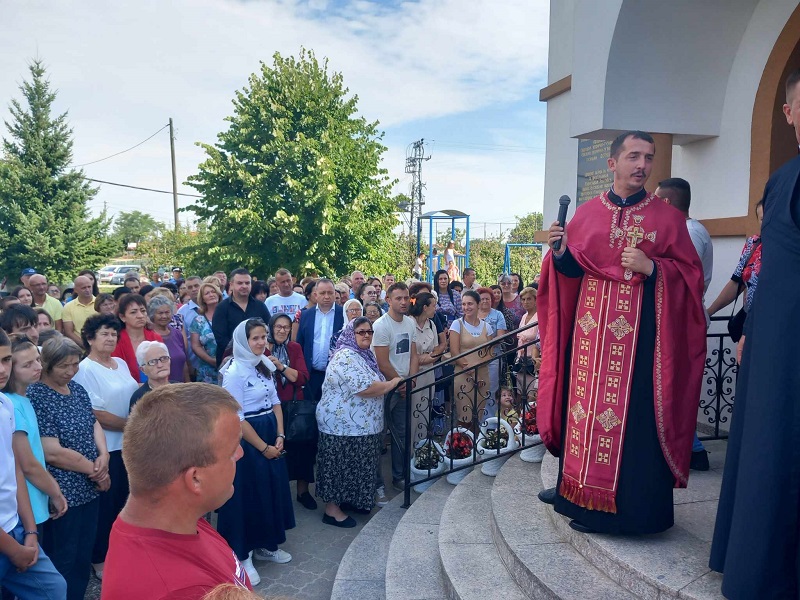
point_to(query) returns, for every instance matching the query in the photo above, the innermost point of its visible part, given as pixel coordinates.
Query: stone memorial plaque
(594, 178)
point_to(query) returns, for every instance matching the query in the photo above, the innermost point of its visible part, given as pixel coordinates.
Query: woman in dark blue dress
(254, 521)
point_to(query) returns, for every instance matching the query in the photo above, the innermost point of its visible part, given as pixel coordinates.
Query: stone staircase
(491, 538)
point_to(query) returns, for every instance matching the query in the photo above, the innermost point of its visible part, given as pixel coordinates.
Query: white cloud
(122, 69)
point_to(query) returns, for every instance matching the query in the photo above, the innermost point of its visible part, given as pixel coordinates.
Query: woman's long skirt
(260, 510)
(346, 467)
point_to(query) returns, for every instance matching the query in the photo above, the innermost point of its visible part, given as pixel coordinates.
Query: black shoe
(699, 461)
(347, 523)
(580, 527)
(307, 501)
(347, 507)
(548, 496)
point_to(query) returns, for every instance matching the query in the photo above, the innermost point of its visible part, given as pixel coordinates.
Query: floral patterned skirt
(346, 467)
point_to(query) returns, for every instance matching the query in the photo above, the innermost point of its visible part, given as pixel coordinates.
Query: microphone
(563, 205)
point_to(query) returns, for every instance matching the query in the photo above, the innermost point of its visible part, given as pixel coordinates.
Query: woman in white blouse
(350, 421)
(109, 384)
(254, 521)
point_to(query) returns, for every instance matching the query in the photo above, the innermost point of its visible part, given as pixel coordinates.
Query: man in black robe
(757, 531)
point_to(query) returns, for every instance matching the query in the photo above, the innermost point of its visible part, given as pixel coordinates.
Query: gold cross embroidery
(635, 235)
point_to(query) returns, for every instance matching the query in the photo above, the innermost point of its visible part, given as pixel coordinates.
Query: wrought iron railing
(448, 399)
(719, 381)
(454, 419)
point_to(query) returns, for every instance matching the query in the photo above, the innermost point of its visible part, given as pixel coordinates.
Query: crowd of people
(313, 365)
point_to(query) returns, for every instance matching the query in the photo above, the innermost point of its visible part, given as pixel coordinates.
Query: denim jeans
(41, 581)
(68, 541)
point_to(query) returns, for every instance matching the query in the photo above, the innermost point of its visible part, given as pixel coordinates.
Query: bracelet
(36, 533)
(265, 449)
(282, 371)
(280, 435)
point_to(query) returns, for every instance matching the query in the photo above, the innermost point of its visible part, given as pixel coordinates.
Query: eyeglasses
(505, 283)
(154, 361)
(282, 327)
(354, 310)
(372, 293)
(365, 332)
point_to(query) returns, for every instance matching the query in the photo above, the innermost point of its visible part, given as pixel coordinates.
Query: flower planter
(417, 474)
(535, 454)
(455, 478)
(492, 467)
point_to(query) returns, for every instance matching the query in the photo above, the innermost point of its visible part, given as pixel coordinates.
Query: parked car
(117, 276)
(106, 272)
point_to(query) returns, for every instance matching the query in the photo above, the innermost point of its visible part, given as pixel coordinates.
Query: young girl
(26, 369)
(508, 406)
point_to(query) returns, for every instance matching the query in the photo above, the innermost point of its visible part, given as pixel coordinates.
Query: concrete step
(413, 570)
(672, 564)
(541, 561)
(362, 570)
(471, 565)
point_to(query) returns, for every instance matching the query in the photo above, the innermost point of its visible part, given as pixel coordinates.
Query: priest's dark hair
(616, 145)
(682, 197)
(791, 82)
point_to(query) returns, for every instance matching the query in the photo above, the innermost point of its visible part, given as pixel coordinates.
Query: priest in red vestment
(623, 329)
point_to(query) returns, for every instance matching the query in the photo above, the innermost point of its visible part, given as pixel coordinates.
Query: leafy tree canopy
(45, 222)
(135, 227)
(295, 181)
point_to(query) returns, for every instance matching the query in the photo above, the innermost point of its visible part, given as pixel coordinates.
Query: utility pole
(174, 173)
(415, 154)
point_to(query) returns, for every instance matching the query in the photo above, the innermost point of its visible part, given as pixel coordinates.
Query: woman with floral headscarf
(292, 375)
(255, 519)
(350, 421)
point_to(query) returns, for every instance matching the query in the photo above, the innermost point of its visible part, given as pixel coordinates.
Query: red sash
(603, 350)
(600, 313)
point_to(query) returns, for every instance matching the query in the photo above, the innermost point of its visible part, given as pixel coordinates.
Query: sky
(464, 75)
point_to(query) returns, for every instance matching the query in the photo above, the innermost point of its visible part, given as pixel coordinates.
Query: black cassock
(644, 491)
(756, 536)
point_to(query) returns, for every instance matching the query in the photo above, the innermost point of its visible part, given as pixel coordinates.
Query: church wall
(561, 158)
(559, 57)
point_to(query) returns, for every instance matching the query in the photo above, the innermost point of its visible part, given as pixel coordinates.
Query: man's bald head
(83, 287)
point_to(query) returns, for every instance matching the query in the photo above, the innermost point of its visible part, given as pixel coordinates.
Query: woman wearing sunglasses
(350, 421)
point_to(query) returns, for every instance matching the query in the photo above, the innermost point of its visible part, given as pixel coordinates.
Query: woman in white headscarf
(254, 521)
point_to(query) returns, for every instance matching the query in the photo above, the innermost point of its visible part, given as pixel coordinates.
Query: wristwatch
(280, 435)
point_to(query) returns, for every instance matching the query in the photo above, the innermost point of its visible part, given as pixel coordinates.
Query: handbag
(736, 324)
(300, 420)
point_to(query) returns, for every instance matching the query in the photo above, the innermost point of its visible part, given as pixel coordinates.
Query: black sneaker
(307, 501)
(699, 461)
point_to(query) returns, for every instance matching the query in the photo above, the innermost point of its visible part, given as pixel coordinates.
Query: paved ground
(316, 550)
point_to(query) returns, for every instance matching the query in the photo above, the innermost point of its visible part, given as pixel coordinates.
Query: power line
(136, 187)
(123, 151)
(492, 147)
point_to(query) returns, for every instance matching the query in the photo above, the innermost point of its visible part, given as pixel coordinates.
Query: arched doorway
(772, 140)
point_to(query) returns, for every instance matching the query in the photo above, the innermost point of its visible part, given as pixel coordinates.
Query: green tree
(135, 227)
(185, 247)
(295, 181)
(527, 261)
(44, 221)
(486, 257)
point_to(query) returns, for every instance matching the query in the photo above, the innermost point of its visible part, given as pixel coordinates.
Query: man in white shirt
(25, 570)
(394, 345)
(285, 301)
(314, 331)
(678, 193)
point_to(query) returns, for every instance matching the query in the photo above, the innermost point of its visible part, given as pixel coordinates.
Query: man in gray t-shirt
(394, 345)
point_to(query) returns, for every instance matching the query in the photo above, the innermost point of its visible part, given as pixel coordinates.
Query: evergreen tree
(295, 181)
(45, 222)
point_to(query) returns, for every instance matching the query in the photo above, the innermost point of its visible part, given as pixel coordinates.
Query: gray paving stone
(708, 587)
(413, 569)
(542, 562)
(471, 565)
(698, 518)
(356, 590)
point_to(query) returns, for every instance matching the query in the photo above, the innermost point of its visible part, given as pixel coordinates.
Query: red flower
(459, 445)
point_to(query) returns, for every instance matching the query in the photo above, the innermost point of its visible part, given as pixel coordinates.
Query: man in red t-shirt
(180, 448)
